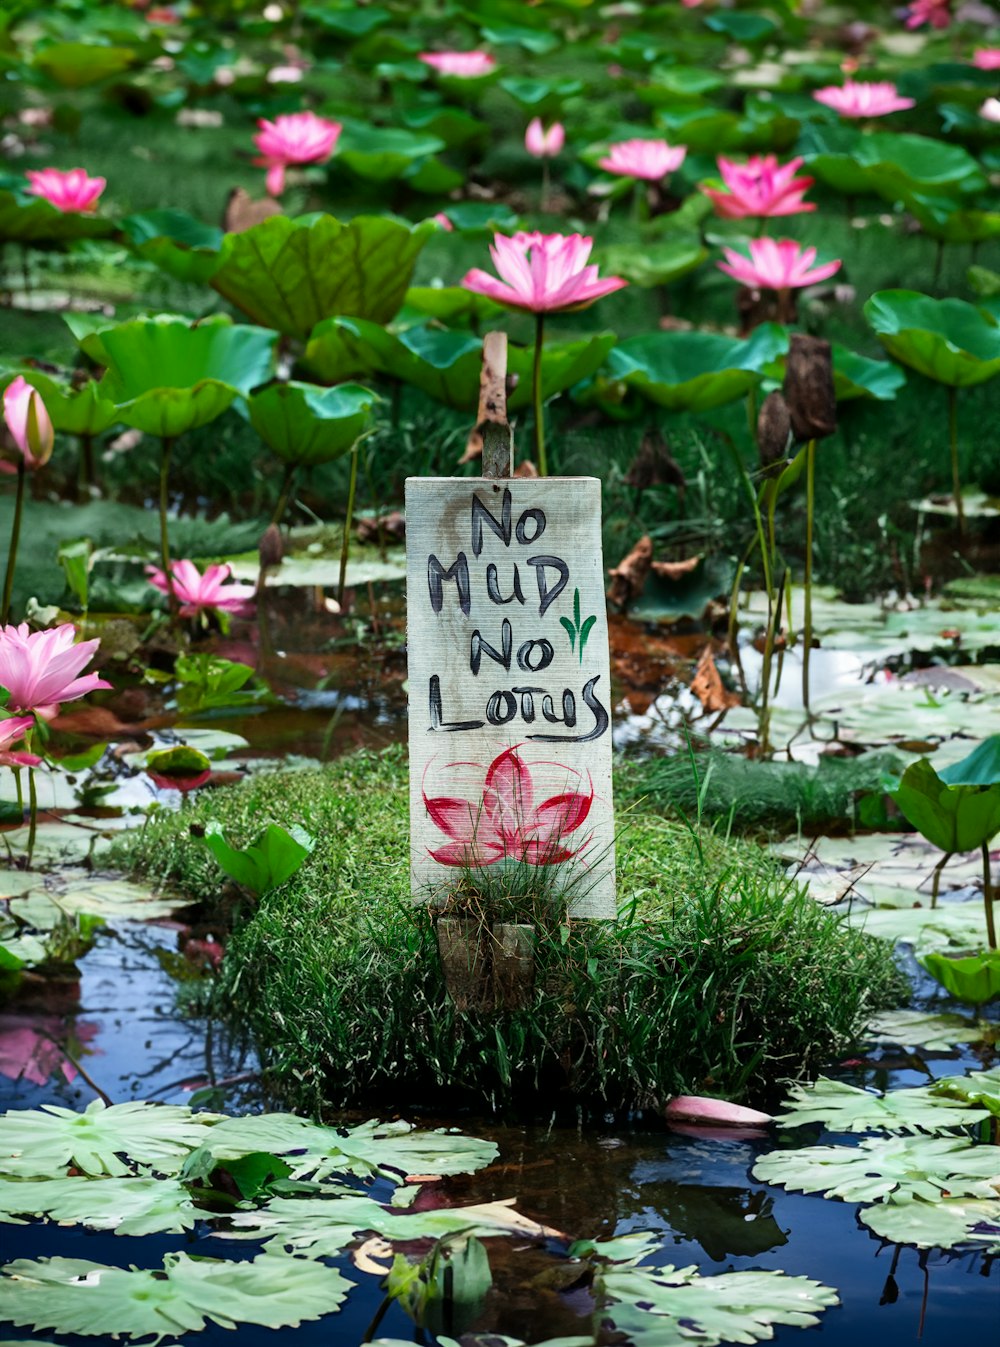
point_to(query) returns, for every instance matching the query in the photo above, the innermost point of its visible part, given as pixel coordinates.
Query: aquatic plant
(541, 274)
(30, 428)
(293, 138)
(856, 98)
(67, 191)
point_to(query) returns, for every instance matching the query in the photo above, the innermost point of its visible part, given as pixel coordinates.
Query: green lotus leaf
(920, 1029)
(887, 164)
(981, 767)
(74, 411)
(453, 126)
(741, 26)
(649, 264)
(168, 376)
(366, 1150)
(855, 376)
(303, 423)
(446, 365)
(45, 1142)
(947, 340)
(938, 1225)
(28, 219)
(668, 83)
(954, 818)
(176, 242)
(539, 41)
(974, 979)
(906, 1168)
(673, 1305)
(540, 95)
(383, 154)
(481, 216)
(266, 863)
(977, 1087)
(291, 274)
(694, 371)
(449, 304)
(70, 1295)
(128, 1206)
(950, 222)
(74, 65)
(844, 1108)
(432, 177)
(349, 21)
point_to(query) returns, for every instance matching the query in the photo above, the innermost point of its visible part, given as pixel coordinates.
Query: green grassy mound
(719, 977)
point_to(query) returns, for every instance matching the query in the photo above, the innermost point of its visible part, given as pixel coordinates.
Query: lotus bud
(809, 393)
(271, 549)
(28, 422)
(774, 429)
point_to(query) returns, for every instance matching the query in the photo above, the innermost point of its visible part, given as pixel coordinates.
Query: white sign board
(509, 687)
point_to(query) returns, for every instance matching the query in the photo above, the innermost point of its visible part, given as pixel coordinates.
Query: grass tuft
(720, 976)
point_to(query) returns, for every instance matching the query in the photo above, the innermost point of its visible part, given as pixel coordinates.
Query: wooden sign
(509, 686)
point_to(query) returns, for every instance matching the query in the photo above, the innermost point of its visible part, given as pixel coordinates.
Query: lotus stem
(32, 814)
(807, 609)
(762, 718)
(87, 475)
(991, 932)
(936, 881)
(345, 545)
(15, 535)
(956, 476)
(544, 203)
(536, 387)
(166, 449)
(283, 494)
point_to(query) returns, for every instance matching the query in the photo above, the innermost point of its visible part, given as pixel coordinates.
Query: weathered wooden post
(509, 724)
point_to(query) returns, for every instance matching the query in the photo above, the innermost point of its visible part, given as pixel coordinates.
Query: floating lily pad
(844, 1108)
(291, 274)
(941, 1225)
(383, 154)
(128, 1206)
(919, 1029)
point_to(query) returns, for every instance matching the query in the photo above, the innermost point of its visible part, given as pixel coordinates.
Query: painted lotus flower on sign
(504, 823)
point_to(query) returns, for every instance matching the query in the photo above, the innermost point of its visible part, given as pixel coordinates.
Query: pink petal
(698, 1108)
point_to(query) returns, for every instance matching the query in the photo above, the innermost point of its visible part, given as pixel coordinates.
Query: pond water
(587, 1177)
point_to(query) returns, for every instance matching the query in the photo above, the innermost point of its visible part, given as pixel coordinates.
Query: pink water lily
(11, 730)
(464, 65)
(196, 592)
(777, 264)
(987, 58)
(647, 159)
(505, 823)
(761, 187)
(42, 669)
(293, 138)
(542, 273)
(990, 109)
(68, 191)
(29, 425)
(937, 13)
(854, 98)
(541, 143)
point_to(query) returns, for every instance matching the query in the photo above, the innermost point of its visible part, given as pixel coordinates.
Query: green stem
(544, 203)
(8, 584)
(32, 814)
(345, 546)
(283, 494)
(536, 387)
(763, 716)
(166, 449)
(936, 881)
(956, 476)
(991, 933)
(807, 614)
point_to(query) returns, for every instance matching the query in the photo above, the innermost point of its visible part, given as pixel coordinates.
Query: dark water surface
(593, 1179)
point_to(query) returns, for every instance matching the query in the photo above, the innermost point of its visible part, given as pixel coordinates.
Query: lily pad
(845, 1108)
(947, 340)
(74, 65)
(291, 274)
(70, 1295)
(941, 1225)
(919, 1029)
(650, 264)
(306, 424)
(383, 154)
(176, 242)
(128, 1206)
(974, 979)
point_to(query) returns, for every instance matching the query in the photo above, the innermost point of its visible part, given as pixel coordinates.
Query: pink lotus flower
(465, 65)
(991, 110)
(935, 12)
(542, 273)
(647, 159)
(10, 731)
(442, 222)
(856, 99)
(40, 669)
(294, 138)
(700, 1108)
(777, 264)
(29, 425)
(70, 191)
(505, 823)
(987, 58)
(541, 143)
(760, 187)
(196, 592)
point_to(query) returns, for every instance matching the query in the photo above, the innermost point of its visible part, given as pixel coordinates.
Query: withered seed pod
(774, 428)
(809, 387)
